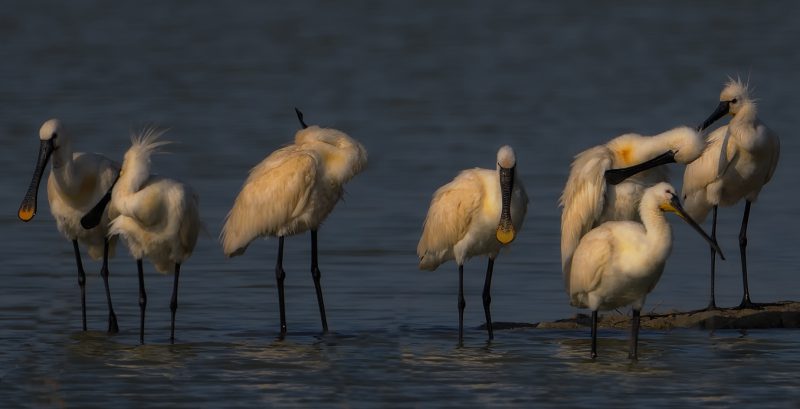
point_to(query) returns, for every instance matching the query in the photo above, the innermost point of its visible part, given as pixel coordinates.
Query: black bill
(92, 219)
(617, 176)
(676, 207)
(722, 109)
(505, 229)
(28, 207)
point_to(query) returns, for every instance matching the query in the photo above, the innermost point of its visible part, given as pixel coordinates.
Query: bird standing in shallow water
(291, 191)
(740, 159)
(157, 217)
(77, 182)
(618, 263)
(477, 213)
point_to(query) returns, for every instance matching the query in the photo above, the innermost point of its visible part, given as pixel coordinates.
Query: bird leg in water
(487, 298)
(173, 304)
(712, 304)
(461, 304)
(746, 303)
(81, 281)
(280, 276)
(142, 300)
(316, 274)
(113, 327)
(594, 334)
(634, 351)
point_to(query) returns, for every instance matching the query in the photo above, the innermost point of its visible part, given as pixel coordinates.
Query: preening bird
(157, 217)
(606, 182)
(291, 191)
(740, 159)
(476, 214)
(619, 262)
(77, 182)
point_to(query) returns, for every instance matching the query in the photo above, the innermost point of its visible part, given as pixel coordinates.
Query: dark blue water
(429, 89)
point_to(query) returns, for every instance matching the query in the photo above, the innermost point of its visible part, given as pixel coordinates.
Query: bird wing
(147, 206)
(276, 192)
(583, 198)
(703, 171)
(591, 259)
(451, 211)
(774, 149)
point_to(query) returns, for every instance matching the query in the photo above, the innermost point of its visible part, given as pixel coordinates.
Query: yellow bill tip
(26, 213)
(505, 236)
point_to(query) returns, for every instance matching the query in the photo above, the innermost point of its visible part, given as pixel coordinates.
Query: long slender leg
(81, 281)
(142, 300)
(173, 304)
(113, 328)
(746, 303)
(594, 334)
(461, 304)
(487, 297)
(316, 274)
(280, 276)
(712, 304)
(634, 351)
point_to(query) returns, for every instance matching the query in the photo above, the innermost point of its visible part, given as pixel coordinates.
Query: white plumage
(157, 217)
(291, 191)
(619, 262)
(589, 200)
(739, 160)
(464, 217)
(76, 183)
(294, 189)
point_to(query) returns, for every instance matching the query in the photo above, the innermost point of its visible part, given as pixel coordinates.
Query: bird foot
(747, 304)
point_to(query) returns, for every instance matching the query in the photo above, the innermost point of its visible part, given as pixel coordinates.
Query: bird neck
(63, 165)
(745, 116)
(658, 231)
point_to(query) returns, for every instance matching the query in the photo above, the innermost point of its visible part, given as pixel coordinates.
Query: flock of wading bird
(615, 238)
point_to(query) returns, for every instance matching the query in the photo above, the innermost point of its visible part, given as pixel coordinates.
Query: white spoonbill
(596, 192)
(291, 191)
(740, 159)
(77, 182)
(618, 263)
(157, 217)
(477, 213)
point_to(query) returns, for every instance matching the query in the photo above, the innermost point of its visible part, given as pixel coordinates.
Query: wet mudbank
(783, 314)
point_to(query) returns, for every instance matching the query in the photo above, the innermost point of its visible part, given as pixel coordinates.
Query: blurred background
(429, 88)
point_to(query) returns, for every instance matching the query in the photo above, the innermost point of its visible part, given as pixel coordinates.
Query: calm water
(429, 89)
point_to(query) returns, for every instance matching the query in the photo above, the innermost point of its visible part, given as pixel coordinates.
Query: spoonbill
(477, 213)
(596, 192)
(157, 217)
(740, 159)
(619, 262)
(293, 190)
(77, 181)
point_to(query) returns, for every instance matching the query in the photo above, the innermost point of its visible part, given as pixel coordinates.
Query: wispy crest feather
(136, 166)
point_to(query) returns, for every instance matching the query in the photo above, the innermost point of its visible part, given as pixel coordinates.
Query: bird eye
(55, 135)
(733, 101)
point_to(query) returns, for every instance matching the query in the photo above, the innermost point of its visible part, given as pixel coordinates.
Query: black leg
(594, 334)
(746, 303)
(81, 281)
(142, 300)
(487, 297)
(712, 304)
(280, 276)
(461, 304)
(316, 274)
(113, 328)
(173, 304)
(634, 351)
